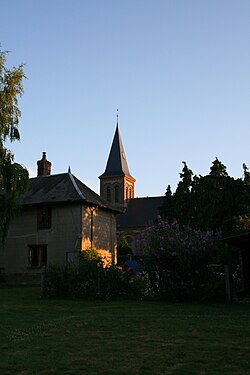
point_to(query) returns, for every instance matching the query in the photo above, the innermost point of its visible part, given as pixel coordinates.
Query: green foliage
(124, 251)
(211, 202)
(218, 169)
(246, 174)
(89, 281)
(178, 262)
(13, 176)
(167, 208)
(90, 255)
(117, 284)
(10, 88)
(182, 202)
(243, 223)
(59, 281)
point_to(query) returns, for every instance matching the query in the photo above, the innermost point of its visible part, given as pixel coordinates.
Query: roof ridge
(75, 186)
(104, 202)
(48, 176)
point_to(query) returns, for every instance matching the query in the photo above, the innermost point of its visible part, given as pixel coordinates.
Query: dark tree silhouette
(215, 201)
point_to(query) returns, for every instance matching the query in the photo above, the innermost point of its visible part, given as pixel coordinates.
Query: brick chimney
(43, 166)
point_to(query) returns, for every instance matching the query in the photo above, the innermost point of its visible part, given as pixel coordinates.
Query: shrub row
(178, 265)
(89, 281)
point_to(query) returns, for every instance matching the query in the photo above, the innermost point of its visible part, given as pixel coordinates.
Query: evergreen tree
(246, 174)
(243, 220)
(215, 201)
(218, 169)
(182, 198)
(166, 210)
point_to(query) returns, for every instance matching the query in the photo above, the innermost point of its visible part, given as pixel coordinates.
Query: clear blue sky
(178, 70)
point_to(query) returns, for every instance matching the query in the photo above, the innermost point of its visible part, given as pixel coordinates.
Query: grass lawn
(95, 337)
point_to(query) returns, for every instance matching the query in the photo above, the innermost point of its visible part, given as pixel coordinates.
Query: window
(130, 193)
(108, 194)
(43, 217)
(37, 256)
(116, 194)
(126, 192)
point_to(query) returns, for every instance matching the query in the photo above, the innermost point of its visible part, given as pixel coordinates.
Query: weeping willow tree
(13, 176)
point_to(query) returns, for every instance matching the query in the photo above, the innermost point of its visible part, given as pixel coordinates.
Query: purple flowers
(177, 259)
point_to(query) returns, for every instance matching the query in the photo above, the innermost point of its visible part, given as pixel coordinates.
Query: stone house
(59, 217)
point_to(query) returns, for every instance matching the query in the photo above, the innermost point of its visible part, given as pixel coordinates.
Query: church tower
(116, 183)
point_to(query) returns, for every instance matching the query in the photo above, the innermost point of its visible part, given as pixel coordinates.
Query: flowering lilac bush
(177, 261)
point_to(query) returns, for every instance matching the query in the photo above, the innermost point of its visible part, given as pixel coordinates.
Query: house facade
(59, 217)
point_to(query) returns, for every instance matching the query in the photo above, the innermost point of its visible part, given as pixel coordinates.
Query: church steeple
(116, 183)
(117, 164)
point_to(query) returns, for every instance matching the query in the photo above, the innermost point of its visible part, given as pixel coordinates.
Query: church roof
(61, 188)
(117, 163)
(140, 212)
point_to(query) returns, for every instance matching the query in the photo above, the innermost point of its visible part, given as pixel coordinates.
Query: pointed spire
(117, 163)
(69, 170)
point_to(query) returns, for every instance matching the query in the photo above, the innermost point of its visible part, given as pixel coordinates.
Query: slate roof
(141, 212)
(61, 188)
(117, 163)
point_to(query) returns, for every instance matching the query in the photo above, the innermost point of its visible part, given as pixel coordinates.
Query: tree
(218, 169)
(246, 174)
(167, 207)
(13, 176)
(183, 197)
(243, 221)
(218, 199)
(179, 205)
(211, 202)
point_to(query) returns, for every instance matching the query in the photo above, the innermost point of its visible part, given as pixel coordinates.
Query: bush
(90, 255)
(117, 284)
(179, 266)
(59, 281)
(177, 262)
(89, 280)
